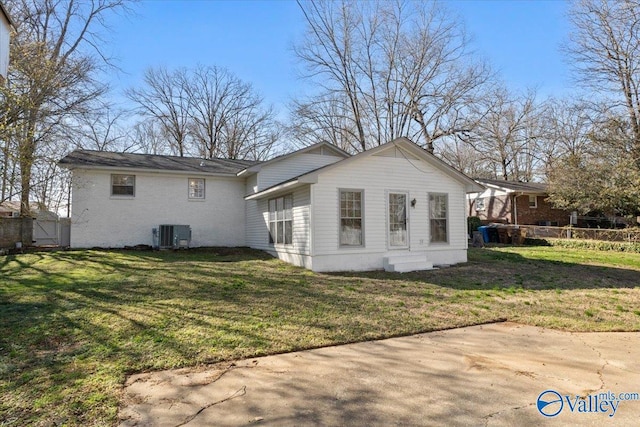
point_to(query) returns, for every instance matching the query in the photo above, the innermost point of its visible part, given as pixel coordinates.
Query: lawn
(74, 324)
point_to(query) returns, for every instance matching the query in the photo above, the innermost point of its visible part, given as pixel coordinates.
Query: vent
(174, 237)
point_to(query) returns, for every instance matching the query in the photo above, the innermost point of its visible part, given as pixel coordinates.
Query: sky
(253, 39)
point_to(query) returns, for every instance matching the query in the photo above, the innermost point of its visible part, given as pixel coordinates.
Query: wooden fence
(610, 235)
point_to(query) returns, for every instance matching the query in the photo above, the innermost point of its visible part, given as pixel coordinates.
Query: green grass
(74, 324)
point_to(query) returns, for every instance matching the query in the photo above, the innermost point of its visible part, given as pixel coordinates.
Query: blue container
(484, 229)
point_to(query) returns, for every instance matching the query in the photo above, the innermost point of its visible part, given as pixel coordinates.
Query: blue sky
(253, 39)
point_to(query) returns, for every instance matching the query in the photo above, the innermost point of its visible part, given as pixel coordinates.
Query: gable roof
(412, 148)
(91, 159)
(515, 186)
(322, 145)
(10, 206)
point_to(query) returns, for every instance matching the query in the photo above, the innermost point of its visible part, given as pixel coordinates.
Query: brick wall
(543, 212)
(14, 230)
(496, 209)
(500, 209)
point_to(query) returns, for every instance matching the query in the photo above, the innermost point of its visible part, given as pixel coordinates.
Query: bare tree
(165, 99)
(605, 52)
(55, 55)
(506, 133)
(392, 69)
(101, 129)
(227, 116)
(147, 137)
(207, 111)
(465, 158)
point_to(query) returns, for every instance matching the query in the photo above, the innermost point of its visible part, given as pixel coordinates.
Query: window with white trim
(351, 223)
(438, 208)
(281, 220)
(480, 204)
(123, 185)
(196, 188)
(533, 201)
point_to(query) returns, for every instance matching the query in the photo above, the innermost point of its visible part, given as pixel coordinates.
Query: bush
(597, 245)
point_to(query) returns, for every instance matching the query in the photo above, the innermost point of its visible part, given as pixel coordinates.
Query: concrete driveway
(482, 375)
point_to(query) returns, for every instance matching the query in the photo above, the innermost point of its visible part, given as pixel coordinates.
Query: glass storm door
(398, 233)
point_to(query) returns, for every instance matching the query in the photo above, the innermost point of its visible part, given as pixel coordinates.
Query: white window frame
(194, 191)
(533, 198)
(280, 219)
(347, 217)
(114, 176)
(480, 205)
(431, 197)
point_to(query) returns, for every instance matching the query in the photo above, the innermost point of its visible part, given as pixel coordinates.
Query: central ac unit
(174, 237)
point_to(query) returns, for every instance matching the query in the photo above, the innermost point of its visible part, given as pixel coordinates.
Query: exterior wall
(543, 213)
(102, 220)
(497, 206)
(4, 46)
(291, 167)
(374, 260)
(378, 175)
(298, 253)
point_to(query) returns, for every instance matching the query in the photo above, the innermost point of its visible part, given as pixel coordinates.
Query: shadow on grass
(73, 324)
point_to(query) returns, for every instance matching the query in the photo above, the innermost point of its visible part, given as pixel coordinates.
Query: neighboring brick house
(521, 203)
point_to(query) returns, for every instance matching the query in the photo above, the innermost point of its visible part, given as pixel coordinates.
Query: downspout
(515, 209)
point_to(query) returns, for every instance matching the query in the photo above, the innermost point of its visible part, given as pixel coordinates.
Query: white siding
(4, 45)
(378, 175)
(291, 167)
(100, 219)
(258, 227)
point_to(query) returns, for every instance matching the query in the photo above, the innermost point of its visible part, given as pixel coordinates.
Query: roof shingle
(97, 159)
(530, 187)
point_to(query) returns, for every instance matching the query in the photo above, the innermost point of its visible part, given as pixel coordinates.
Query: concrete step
(403, 263)
(405, 267)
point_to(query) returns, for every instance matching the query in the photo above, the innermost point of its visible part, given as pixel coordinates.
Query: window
(351, 218)
(281, 220)
(480, 204)
(438, 217)
(533, 201)
(123, 185)
(196, 188)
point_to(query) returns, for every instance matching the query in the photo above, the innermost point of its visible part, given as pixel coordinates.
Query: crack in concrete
(487, 417)
(240, 392)
(600, 371)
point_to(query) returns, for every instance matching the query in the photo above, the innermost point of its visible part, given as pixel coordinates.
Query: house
(5, 32)
(395, 206)
(11, 209)
(511, 202)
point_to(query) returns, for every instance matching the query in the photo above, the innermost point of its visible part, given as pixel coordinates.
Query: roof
(14, 206)
(515, 186)
(108, 160)
(334, 148)
(311, 176)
